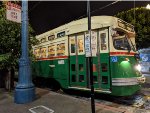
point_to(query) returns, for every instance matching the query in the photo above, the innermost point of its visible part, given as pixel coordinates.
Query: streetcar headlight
(138, 67)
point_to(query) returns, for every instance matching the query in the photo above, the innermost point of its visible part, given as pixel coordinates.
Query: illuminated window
(51, 50)
(37, 53)
(43, 52)
(61, 49)
(80, 45)
(51, 37)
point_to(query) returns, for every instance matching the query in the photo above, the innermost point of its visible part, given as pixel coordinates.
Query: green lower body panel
(55, 69)
(63, 83)
(125, 90)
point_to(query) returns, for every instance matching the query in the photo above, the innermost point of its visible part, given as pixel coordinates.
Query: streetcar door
(103, 59)
(77, 61)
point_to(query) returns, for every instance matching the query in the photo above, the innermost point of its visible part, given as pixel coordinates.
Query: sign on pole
(94, 43)
(87, 45)
(13, 12)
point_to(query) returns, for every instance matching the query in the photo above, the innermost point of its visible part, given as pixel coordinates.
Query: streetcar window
(73, 78)
(80, 67)
(61, 49)
(61, 34)
(43, 40)
(37, 53)
(121, 44)
(94, 68)
(125, 25)
(104, 67)
(51, 37)
(81, 78)
(72, 41)
(104, 79)
(80, 45)
(73, 67)
(51, 50)
(120, 41)
(94, 79)
(103, 41)
(43, 52)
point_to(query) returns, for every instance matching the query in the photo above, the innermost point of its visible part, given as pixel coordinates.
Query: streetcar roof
(81, 25)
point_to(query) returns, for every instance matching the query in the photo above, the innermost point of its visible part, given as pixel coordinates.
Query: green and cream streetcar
(61, 56)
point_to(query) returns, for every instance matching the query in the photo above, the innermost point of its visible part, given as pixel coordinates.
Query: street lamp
(25, 90)
(148, 6)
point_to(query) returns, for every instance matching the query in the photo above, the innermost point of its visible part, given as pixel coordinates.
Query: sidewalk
(54, 102)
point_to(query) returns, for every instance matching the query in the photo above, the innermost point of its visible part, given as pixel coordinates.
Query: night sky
(46, 15)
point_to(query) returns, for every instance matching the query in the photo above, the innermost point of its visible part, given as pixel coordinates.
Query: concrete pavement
(51, 102)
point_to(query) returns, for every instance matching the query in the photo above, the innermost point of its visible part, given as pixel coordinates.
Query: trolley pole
(25, 90)
(89, 60)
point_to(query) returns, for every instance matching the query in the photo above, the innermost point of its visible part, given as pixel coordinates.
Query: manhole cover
(41, 109)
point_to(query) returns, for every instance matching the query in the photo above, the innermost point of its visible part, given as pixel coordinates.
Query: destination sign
(125, 25)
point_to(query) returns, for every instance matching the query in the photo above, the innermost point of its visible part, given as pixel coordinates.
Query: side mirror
(137, 56)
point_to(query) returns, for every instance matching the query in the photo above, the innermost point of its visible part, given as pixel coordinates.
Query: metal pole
(25, 90)
(89, 61)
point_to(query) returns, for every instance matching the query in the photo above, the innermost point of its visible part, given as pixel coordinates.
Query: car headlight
(138, 67)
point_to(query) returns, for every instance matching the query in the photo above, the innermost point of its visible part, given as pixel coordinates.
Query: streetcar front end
(124, 61)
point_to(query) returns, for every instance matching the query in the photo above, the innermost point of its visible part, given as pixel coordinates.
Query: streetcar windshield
(121, 44)
(121, 40)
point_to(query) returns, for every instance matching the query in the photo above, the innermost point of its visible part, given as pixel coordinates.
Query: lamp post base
(24, 95)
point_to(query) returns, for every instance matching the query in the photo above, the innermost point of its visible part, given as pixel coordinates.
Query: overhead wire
(99, 8)
(35, 6)
(105, 6)
(82, 15)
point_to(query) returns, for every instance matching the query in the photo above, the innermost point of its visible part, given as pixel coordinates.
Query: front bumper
(141, 79)
(128, 81)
